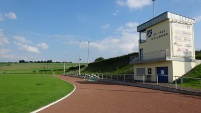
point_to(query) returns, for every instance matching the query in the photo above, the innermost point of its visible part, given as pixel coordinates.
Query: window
(149, 71)
(142, 37)
(140, 71)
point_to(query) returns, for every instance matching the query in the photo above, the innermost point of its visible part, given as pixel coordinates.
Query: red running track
(101, 97)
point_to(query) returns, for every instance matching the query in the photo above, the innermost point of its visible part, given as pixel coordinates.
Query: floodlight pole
(153, 8)
(88, 55)
(64, 66)
(79, 59)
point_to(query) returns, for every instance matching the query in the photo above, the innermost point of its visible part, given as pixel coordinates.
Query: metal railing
(107, 76)
(178, 81)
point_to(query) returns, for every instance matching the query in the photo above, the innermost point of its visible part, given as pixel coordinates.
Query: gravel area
(102, 97)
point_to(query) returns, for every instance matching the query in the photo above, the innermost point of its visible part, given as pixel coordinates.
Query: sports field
(34, 67)
(23, 93)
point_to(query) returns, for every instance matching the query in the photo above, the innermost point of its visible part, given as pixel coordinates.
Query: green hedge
(110, 65)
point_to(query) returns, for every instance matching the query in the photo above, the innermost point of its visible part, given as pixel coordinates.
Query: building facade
(166, 48)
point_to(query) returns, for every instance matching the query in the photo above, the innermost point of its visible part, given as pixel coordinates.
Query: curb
(40, 109)
(156, 87)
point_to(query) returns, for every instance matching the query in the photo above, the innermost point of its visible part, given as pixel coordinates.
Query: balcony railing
(151, 56)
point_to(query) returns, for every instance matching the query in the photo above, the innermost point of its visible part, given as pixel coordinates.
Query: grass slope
(190, 80)
(113, 65)
(23, 93)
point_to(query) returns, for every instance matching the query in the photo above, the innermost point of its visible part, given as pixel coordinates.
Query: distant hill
(112, 65)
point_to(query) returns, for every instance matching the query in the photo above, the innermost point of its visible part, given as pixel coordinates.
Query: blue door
(162, 73)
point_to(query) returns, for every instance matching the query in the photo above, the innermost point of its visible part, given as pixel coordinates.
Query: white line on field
(55, 101)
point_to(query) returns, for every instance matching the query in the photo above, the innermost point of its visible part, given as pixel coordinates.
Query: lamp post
(153, 8)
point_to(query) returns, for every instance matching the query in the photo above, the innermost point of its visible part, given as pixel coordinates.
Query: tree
(49, 61)
(198, 57)
(22, 61)
(197, 52)
(99, 59)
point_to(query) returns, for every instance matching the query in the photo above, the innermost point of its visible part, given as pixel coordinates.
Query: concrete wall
(181, 68)
(198, 62)
(159, 40)
(175, 69)
(153, 67)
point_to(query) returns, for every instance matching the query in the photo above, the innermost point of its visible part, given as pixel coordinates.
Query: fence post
(124, 78)
(175, 82)
(102, 76)
(111, 77)
(157, 79)
(143, 79)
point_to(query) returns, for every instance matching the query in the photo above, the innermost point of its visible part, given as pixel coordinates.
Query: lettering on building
(159, 34)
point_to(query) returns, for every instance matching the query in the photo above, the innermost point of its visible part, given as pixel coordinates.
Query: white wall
(198, 62)
(181, 68)
(153, 67)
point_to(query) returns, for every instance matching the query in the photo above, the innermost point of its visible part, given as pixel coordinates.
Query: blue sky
(35, 30)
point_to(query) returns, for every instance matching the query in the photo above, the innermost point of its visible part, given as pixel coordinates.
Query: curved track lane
(101, 97)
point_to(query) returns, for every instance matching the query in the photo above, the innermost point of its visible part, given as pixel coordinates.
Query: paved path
(100, 97)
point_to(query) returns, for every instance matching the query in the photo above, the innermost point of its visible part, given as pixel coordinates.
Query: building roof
(162, 17)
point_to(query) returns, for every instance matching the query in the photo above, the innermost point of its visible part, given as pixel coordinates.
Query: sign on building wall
(182, 40)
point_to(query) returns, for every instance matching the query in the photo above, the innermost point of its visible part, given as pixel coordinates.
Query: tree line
(40, 61)
(198, 54)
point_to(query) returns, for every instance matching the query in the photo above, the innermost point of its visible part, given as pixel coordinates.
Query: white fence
(179, 82)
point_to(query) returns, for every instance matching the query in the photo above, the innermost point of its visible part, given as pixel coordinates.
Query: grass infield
(23, 93)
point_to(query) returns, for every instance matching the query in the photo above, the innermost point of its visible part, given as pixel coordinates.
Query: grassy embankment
(23, 91)
(193, 78)
(117, 65)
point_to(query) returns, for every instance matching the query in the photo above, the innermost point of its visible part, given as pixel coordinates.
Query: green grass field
(23, 93)
(34, 68)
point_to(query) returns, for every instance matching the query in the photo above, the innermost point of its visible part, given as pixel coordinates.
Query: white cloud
(198, 19)
(43, 45)
(6, 56)
(126, 42)
(3, 39)
(106, 26)
(4, 51)
(11, 15)
(132, 25)
(27, 48)
(134, 4)
(116, 13)
(22, 39)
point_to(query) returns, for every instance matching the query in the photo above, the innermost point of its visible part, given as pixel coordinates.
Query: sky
(63, 30)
